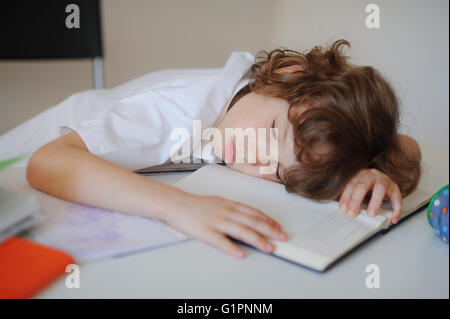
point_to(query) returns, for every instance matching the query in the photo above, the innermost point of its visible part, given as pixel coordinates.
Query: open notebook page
(90, 233)
(318, 232)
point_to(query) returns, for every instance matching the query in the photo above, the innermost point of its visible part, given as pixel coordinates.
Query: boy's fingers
(345, 197)
(396, 200)
(223, 243)
(378, 194)
(344, 201)
(254, 212)
(259, 224)
(246, 235)
(359, 193)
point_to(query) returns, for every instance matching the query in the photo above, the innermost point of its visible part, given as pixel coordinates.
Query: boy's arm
(66, 169)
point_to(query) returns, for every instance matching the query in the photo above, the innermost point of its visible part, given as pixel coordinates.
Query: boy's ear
(290, 69)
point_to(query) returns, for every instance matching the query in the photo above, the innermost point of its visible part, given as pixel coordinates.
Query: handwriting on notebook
(89, 233)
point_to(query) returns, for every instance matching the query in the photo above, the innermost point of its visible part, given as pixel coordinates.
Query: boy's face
(252, 112)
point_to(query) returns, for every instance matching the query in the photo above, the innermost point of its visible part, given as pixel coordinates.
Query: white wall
(410, 48)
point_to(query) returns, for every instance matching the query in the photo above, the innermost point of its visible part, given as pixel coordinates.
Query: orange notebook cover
(27, 267)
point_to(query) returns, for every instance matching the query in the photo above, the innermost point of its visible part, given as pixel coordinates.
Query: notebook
(318, 233)
(90, 233)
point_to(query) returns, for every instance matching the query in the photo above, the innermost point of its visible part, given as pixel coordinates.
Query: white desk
(413, 263)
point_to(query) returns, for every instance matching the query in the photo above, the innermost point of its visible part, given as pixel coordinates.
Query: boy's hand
(381, 186)
(211, 218)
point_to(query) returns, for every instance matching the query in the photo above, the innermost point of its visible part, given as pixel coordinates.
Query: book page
(318, 232)
(318, 229)
(328, 234)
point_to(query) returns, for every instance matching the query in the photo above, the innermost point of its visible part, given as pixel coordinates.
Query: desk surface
(413, 263)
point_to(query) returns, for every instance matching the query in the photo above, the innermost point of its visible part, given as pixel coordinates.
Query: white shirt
(130, 125)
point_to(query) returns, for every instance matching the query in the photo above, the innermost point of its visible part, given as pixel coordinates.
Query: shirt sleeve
(134, 132)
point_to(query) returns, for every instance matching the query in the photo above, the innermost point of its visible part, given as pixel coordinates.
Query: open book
(318, 233)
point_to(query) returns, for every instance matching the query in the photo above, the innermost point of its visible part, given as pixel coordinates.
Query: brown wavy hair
(350, 111)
